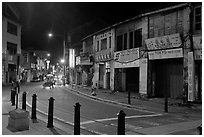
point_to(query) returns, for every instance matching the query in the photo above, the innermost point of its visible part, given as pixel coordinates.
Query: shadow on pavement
(54, 131)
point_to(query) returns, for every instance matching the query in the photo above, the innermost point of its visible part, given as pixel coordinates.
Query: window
(104, 44)
(125, 42)
(119, 43)
(97, 46)
(130, 40)
(109, 42)
(198, 18)
(11, 48)
(138, 38)
(11, 28)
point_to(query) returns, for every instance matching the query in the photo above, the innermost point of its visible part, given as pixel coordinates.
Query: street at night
(101, 68)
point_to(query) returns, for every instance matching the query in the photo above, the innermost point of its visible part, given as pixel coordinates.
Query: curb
(110, 101)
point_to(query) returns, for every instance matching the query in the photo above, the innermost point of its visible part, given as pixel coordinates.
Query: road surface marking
(109, 119)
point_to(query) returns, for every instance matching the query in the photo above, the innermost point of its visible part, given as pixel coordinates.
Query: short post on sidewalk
(13, 95)
(50, 112)
(34, 100)
(121, 123)
(24, 101)
(166, 104)
(77, 119)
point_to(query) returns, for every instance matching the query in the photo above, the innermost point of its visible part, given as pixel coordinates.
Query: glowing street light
(62, 61)
(50, 35)
(48, 54)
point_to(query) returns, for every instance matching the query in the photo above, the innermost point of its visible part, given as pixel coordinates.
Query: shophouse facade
(84, 63)
(196, 65)
(11, 43)
(103, 47)
(170, 54)
(130, 61)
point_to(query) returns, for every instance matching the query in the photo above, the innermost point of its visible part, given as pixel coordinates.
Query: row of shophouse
(154, 54)
(18, 64)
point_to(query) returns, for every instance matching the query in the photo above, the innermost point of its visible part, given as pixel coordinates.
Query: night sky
(80, 19)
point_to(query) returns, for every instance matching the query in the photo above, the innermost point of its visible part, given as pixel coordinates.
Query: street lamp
(63, 63)
(64, 49)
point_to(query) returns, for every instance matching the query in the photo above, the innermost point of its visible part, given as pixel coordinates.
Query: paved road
(101, 117)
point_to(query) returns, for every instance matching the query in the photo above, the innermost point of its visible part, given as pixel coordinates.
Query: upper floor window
(119, 46)
(131, 37)
(11, 48)
(198, 17)
(125, 42)
(11, 28)
(138, 38)
(97, 46)
(104, 44)
(109, 42)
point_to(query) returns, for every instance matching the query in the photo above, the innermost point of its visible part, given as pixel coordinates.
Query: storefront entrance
(132, 79)
(168, 78)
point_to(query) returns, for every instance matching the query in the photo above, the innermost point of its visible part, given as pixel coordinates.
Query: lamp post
(63, 63)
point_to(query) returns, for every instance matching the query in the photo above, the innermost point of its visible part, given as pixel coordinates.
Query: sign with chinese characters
(163, 54)
(190, 77)
(197, 42)
(127, 65)
(126, 55)
(198, 54)
(103, 57)
(164, 42)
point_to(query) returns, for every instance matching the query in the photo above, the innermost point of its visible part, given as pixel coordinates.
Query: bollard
(77, 119)
(13, 95)
(166, 104)
(16, 100)
(129, 100)
(50, 112)
(121, 122)
(24, 101)
(34, 100)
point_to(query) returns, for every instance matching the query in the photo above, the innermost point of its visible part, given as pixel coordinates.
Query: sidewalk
(36, 127)
(121, 98)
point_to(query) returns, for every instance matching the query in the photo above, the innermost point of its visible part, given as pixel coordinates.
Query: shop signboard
(164, 54)
(126, 55)
(164, 42)
(191, 96)
(198, 54)
(77, 60)
(127, 65)
(197, 42)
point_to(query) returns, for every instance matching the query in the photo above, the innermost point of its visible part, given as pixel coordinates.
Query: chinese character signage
(163, 54)
(164, 42)
(197, 42)
(126, 55)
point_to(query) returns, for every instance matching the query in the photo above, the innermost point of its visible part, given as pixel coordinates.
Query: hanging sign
(164, 42)
(198, 54)
(197, 42)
